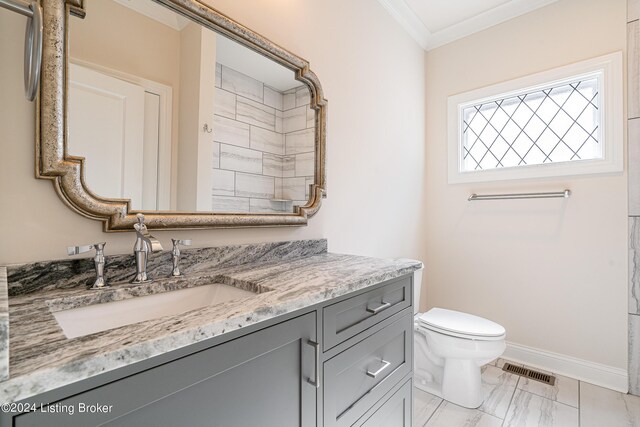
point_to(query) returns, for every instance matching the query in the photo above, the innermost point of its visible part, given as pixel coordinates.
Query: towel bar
(559, 194)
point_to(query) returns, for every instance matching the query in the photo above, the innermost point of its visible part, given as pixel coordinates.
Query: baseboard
(583, 370)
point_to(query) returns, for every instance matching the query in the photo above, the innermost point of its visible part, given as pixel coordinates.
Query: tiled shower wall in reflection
(633, 133)
(263, 145)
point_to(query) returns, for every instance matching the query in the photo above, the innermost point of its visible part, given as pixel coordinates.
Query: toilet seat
(421, 326)
(461, 325)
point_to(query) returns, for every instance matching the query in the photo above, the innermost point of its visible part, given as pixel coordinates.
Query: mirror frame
(67, 171)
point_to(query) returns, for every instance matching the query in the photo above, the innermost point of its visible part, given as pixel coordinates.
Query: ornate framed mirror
(178, 112)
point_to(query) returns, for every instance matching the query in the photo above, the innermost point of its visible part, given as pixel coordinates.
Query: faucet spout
(154, 244)
(144, 244)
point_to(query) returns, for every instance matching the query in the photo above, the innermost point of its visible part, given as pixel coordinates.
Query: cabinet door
(261, 379)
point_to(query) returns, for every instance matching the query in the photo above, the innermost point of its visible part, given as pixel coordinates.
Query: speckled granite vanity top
(287, 276)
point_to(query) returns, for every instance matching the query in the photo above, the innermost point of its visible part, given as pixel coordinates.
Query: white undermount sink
(77, 322)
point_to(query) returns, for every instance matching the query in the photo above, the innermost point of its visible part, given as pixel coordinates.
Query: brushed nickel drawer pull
(377, 310)
(316, 347)
(385, 365)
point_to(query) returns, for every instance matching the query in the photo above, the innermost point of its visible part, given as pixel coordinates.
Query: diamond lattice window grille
(551, 125)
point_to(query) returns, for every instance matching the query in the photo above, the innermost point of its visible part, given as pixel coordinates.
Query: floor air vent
(529, 373)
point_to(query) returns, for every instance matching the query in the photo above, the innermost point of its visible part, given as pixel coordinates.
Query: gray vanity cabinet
(358, 347)
(260, 379)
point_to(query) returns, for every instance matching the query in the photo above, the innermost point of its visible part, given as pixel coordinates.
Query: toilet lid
(461, 323)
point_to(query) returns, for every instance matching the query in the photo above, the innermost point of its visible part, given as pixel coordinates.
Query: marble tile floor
(511, 400)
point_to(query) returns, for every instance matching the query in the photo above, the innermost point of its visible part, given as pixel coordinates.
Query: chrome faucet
(145, 243)
(175, 255)
(98, 260)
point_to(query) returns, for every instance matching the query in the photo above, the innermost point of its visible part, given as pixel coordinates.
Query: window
(567, 121)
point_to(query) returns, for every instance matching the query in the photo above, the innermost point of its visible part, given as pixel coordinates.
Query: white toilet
(450, 347)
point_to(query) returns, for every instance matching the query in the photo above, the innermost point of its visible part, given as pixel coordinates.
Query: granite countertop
(287, 276)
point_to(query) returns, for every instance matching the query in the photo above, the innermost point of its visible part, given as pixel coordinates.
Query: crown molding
(407, 18)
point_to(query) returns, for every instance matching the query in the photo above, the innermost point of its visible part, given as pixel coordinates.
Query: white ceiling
(156, 12)
(433, 23)
(252, 64)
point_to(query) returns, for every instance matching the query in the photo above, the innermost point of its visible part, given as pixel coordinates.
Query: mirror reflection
(176, 117)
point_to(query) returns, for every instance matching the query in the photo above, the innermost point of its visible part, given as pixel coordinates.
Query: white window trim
(612, 122)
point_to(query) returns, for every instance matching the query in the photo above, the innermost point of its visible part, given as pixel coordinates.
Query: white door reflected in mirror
(121, 144)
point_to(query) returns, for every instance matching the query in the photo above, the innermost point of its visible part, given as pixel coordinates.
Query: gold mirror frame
(67, 171)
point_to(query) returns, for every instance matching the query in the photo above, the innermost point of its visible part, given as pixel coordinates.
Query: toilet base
(462, 384)
(463, 387)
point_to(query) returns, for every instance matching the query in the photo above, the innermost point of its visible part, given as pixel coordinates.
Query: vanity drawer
(352, 316)
(394, 412)
(357, 378)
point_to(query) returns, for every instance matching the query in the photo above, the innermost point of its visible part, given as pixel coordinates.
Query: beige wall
(553, 272)
(119, 38)
(195, 150)
(373, 76)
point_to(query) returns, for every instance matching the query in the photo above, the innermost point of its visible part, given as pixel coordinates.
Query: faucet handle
(77, 250)
(175, 255)
(98, 260)
(181, 242)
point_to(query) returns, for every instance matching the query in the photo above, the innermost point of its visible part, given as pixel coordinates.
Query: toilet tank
(417, 284)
